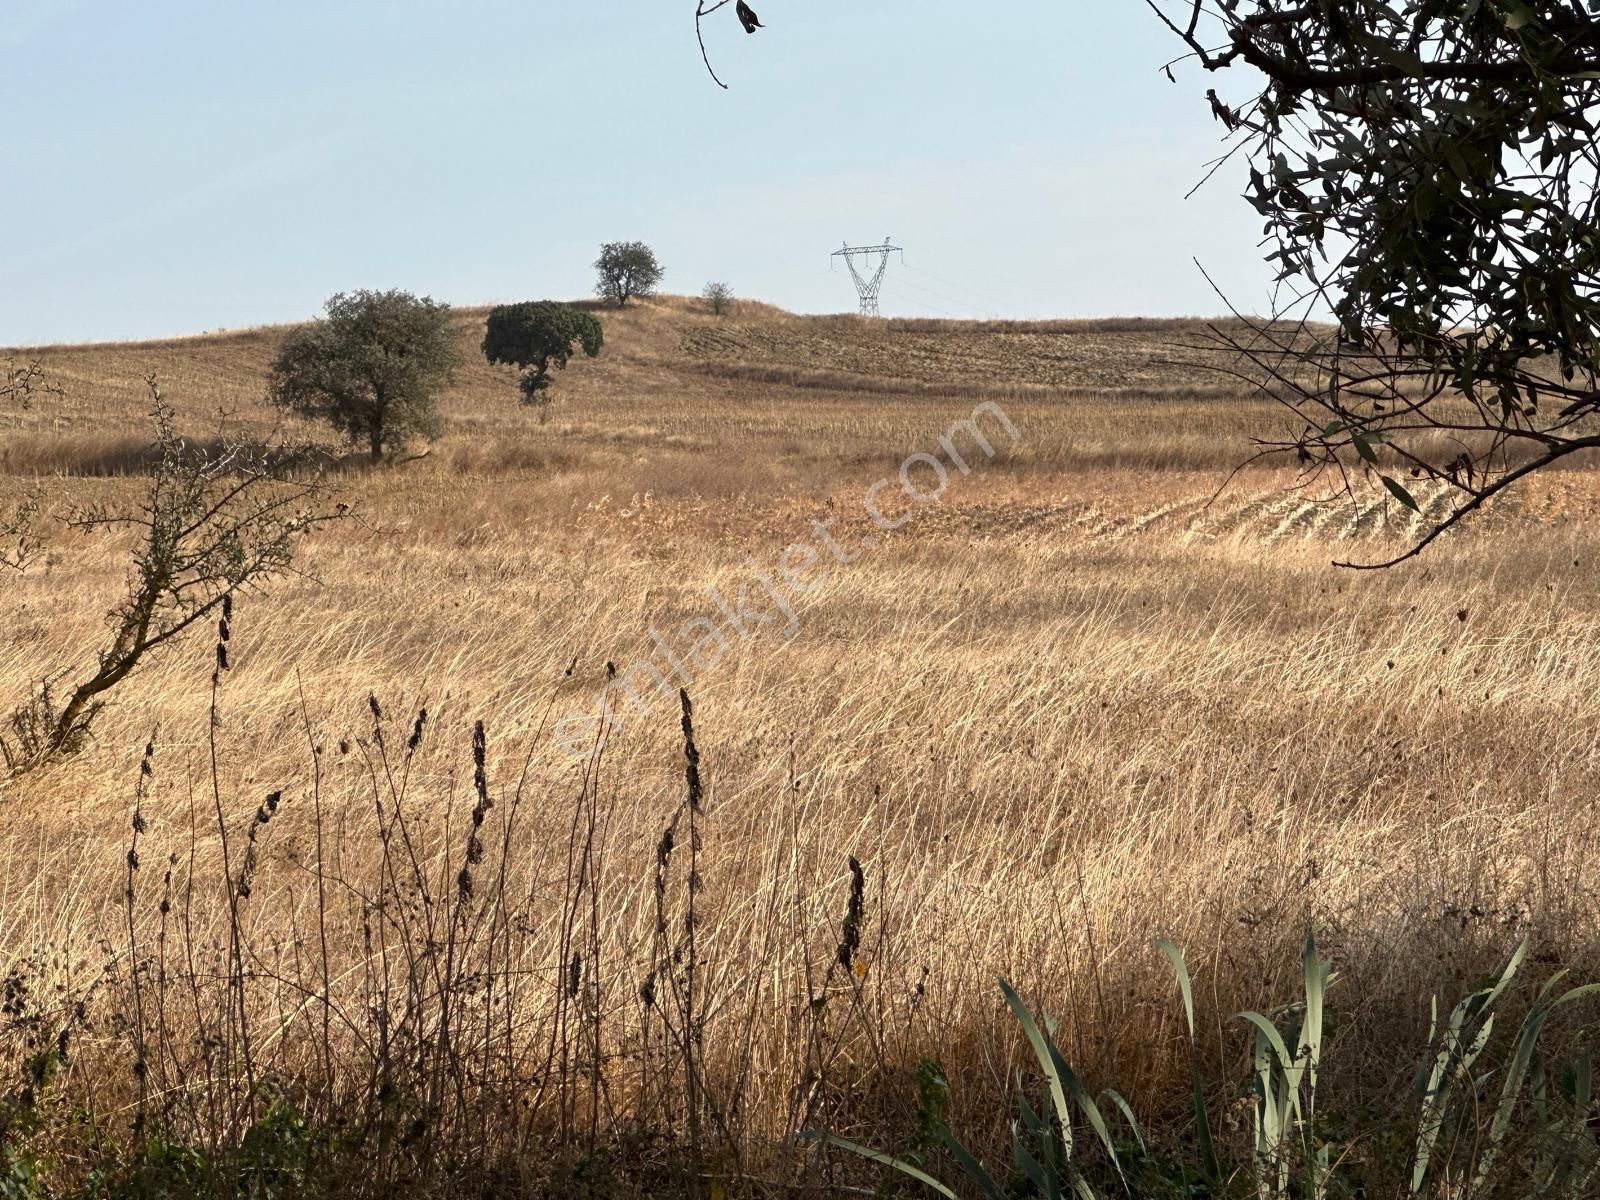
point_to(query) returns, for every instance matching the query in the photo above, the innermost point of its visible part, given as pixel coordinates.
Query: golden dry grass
(1075, 705)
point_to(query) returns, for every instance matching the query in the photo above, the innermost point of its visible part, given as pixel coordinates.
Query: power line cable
(951, 283)
(962, 304)
(926, 307)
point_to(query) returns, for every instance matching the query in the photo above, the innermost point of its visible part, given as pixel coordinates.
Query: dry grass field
(1079, 702)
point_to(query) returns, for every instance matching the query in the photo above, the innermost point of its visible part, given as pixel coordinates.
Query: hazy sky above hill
(181, 165)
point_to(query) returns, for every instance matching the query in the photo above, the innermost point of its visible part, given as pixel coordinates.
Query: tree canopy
(718, 295)
(626, 270)
(536, 335)
(1426, 174)
(372, 368)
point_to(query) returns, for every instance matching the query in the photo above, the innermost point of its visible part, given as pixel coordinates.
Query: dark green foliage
(372, 368)
(933, 1112)
(280, 1157)
(1418, 118)
(626, 270)
(536, 335)
(1426, 173)
(1301, 1149)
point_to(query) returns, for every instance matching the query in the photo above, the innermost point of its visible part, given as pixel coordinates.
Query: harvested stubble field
(1078, 703)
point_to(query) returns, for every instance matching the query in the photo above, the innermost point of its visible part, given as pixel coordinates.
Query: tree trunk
(67, 723)
(377, 419)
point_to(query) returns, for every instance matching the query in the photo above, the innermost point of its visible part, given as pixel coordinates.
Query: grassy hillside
(1079, 702)
(667, 365)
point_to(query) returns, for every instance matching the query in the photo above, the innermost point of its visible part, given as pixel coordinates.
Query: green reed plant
(1044, 1146)
(1291, 1156)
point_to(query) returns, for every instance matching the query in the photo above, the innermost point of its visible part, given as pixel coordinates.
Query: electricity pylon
(868, 285)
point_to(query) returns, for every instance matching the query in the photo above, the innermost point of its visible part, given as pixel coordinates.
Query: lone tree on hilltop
(626, 270)
(718, 296)
(536, 335)
(372, 368)
(1427, 174)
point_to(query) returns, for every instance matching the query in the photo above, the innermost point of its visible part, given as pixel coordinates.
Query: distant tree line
(374, 365)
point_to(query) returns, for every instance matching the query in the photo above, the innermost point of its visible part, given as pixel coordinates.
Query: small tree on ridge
(626, 270)
(718, 296)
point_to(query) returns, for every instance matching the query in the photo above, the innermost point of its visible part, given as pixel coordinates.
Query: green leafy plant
(1285, 1083)
(536, 335)
(1293, 1157)
(1210, 1168)
(1568, 1162)
(1044, 1148)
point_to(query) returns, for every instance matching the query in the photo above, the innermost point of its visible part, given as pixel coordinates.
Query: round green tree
(372, 368)
(625, 270)
(536, 335)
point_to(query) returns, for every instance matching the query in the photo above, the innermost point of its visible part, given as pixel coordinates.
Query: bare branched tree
(212, 524)
(1427, 177)
(19, 540)
(718, 296)
(20, 383)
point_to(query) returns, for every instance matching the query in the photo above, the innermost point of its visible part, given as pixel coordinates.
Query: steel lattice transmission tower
(870, 282)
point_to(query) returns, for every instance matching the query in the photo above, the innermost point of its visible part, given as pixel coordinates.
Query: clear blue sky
(180, 165)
